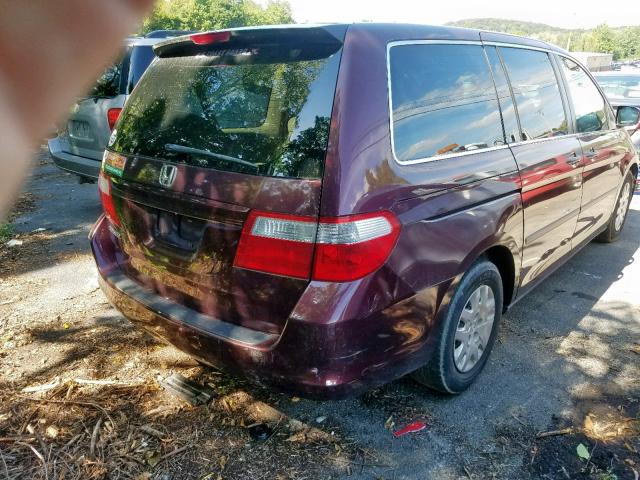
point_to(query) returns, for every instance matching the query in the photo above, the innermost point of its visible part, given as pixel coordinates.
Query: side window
(443, 101)
(537, 93)
(141, 57)
(108, 84)
(511, 129)
(590, 107)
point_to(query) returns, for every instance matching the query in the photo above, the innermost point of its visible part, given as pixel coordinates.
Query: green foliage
(215, 14)
(582, 452)
(6, 232)
(622, 42)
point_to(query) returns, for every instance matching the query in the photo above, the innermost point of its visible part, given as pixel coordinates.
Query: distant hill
(623, 42)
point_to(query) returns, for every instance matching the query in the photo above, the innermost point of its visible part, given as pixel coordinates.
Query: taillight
(207, 38)
(104, 186)
(351, 247)
(112, 116)
(275, 243)
(337, 249)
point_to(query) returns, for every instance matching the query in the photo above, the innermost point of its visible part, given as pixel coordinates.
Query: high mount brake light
(104, 186)
(338, 249)
(208, 38)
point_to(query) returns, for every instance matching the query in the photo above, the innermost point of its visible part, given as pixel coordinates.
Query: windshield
(627, 87)
(261, 111)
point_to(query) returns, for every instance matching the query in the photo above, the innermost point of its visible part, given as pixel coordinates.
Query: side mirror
(628, 116)
(589, 123)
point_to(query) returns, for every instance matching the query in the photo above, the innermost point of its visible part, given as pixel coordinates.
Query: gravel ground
(566, 360)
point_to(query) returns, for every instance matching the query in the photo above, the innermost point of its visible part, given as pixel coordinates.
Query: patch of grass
(6, 232)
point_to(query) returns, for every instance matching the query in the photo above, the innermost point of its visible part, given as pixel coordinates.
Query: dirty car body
(270, 208)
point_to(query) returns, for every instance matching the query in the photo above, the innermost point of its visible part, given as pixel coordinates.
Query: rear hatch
(88, 127)
(219, 126)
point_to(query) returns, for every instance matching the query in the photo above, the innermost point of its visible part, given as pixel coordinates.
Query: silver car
(79, 146)
(622, 88)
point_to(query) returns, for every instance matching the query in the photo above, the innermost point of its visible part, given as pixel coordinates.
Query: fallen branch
(515, 417)
(83, 381)
(174, 452)
(148, 429)
(17, 438)
(94, 437)
(555, 433)
(80, 381)
(40, 457)
(73, 440)
(34, 431)
(73, 402)
(4, 464)
(42, 388)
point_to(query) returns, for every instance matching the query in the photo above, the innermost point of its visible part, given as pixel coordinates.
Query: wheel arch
(502, 257)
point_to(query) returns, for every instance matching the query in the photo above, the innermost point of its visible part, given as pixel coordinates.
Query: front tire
(619, 215)
(466, 335)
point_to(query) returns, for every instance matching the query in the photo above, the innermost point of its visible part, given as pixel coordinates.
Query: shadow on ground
(566, 361)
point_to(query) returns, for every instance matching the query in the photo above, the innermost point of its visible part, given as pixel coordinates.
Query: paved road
(563, 351)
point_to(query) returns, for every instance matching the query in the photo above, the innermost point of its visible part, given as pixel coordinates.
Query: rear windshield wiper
(172, 147)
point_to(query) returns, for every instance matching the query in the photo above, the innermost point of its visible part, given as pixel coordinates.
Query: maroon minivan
(327, 208)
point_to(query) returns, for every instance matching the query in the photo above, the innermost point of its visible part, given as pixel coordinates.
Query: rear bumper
(86, 167)
(331, 359)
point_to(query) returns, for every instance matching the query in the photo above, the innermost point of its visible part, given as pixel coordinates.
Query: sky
(563, 13)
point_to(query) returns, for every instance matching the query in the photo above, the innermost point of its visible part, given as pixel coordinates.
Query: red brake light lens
(352, 247)
(337, 249)
(112, 116)
(104, 186)
(275, 243)
(208, 38)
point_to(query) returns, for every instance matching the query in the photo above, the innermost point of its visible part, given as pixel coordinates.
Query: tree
(623, 42)
(602, 39)
(215, 14)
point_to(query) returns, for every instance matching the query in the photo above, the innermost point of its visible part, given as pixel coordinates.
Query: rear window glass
(262, 111)
(443, 100)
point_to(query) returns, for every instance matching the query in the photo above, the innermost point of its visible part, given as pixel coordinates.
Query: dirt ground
(80, 398)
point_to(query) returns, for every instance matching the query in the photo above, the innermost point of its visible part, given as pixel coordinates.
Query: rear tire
(463, 339)
(619, 215)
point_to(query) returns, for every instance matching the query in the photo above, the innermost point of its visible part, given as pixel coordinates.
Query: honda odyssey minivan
(327, 208)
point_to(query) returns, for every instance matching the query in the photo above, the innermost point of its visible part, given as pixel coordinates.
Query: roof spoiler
(202, 42)
(168, 33)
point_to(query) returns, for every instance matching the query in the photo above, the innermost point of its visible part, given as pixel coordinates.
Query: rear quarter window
(443, 101)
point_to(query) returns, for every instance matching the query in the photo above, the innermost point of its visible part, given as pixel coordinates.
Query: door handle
(573, 158)
(591, 153)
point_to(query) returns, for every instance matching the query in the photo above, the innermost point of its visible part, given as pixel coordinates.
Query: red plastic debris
(411, 428)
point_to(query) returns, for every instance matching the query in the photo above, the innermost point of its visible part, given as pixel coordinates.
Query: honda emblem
(167, 175)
